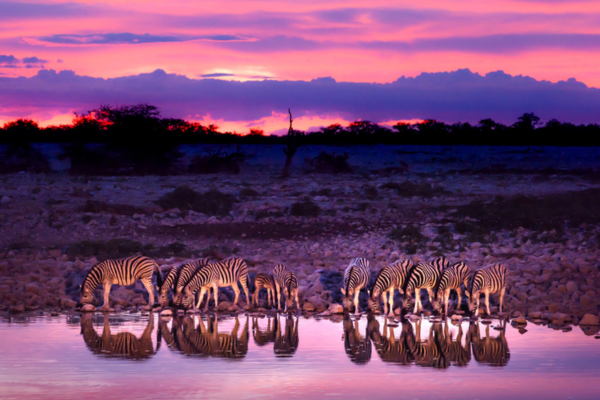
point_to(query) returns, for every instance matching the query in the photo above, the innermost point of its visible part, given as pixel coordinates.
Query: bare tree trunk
(290, 149)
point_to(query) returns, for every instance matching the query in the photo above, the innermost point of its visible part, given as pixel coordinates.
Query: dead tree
(290, 148)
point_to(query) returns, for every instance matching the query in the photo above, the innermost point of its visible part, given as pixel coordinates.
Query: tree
(527, 122)
(290, 148)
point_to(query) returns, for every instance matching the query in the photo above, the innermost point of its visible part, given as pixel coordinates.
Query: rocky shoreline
(543, 226)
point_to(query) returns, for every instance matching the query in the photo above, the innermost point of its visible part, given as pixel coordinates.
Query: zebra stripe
(188, 270)
(357, 346)
(356, 277)
(124, 271)
(168, 283)
(286, 345)
(490, 351)
(488, 280)
(425, 353)
(452, 278)
(122, 344)
(279, 273)
(290, 290)
(262, 337)
(394, 350)
(389, 279)
(423, 276)
(265, 281)
(217, 274)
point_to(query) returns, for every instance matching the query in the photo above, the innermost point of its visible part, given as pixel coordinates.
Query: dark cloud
(448, 96)
(216, 75)
(17, 10)
(130, 38)
(8, 61)
(33, 60)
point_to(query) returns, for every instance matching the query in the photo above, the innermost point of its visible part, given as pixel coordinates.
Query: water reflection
(263, 337)
(491, 351)
(122, 344)
(286, 343)
(193, 337)
(357, 346)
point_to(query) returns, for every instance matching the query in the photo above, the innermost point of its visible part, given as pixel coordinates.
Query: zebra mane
(408, 277)
(349, 278)
(87, 278)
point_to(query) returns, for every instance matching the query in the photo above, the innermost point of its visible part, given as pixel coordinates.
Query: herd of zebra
(438, 277)
(194, 337)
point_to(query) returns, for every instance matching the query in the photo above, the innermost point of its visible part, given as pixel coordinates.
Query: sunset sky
(352, 41)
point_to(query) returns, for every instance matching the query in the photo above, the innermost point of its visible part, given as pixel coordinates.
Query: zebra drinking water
(389, 279)
(176, 280)
(487, 280)
(123, 271)
(265, 281)
(356, 277)
(215, 275)
(452, 278)
(423, 276)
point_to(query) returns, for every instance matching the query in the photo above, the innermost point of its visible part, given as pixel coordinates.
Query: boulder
(571, 286)
(88, 308)
(224, 306)
(520, 320)
(590, 319)
(68, 303)
(32, 288)
(336, 309)
(308, 306)
(17, 309)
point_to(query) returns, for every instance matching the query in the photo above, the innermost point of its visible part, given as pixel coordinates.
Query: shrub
(212, 202)
(305, 208)
(330, 163)
(248, 192)
(409, 189)
(410, 235)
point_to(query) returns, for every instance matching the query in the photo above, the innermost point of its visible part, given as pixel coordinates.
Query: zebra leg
(257, 289)
(459, 298)
(278, 294)
(236, 290)
(200, 297)
(245, 287)
(216, 296)
(417, 300)
(487, 302)
(297, 302)
(502, 297)
(391, 302)
(430, 293)
(150, 288)
(356, 308)
(385, 301)
(106, 305)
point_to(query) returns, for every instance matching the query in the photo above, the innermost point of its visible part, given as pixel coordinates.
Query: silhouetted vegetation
(329, 163)
(305, 208)
(211, 202)
(135, 139)
(410, 235)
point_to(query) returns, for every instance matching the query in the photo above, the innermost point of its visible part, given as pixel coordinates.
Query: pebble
(88, 308)
(590, 319)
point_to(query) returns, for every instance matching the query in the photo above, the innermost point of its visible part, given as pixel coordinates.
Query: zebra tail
(159, 277)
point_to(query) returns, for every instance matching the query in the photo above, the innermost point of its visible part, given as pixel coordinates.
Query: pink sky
(350, 41)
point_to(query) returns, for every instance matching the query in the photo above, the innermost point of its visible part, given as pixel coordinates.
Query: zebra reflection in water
(263, 337)
(205, 340)
(357, 346)
(122, 344)
(392, 349)
(286, 343)
(490, 351)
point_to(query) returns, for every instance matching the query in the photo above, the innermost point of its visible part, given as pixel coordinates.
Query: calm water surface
(133, 356)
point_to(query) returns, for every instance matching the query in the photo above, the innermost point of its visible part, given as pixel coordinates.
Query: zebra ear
(467, 294)
(343, 291)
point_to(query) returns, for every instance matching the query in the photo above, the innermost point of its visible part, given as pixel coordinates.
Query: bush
(212, 202)
(305, 208)
(409, 234)
(214, 164)
(248, 192)
(409, 189)
(330, 163)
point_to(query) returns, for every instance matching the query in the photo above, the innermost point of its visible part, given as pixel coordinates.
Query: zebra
(452, 278)
(456, 353)
(217, 274)
(279, 274)
(425, 353)
(123, 271)
(388, 280)
(422, 276)
(356, 277)
(188, 270)
(266, 281)
(490, 351)
(290, 290)
(122, 344)
(286, 345)
(487, 280)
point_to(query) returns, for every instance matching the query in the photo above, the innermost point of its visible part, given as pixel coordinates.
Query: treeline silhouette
(137, 137)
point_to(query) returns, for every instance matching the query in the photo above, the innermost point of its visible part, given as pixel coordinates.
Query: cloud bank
(130, 38)
(447, 96)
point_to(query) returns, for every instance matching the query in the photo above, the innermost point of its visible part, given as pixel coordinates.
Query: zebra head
(407, 301)
(163, 298)
(373, 302)
(436, 302)
(87, 295)
(188, 298)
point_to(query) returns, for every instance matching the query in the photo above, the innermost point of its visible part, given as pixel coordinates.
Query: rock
(336, 308)
(590, 319)
(224, 306)
(88, 308)
(17, 309)
(68, 303)
(32, 288)
(520, 320)
(517, 314)
(308, 306)
(535, 315)
(456, 317)
(55, 253)
(571, 286)
(325, 313)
